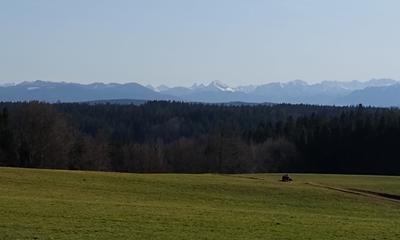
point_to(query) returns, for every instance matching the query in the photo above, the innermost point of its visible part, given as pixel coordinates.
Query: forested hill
(194, 138)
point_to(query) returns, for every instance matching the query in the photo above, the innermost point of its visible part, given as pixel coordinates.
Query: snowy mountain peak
(196, 86)
(220, 86)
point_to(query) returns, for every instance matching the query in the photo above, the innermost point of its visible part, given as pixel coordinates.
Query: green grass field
(50, 204)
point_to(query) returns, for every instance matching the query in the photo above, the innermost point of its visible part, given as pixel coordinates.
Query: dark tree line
(194, 138)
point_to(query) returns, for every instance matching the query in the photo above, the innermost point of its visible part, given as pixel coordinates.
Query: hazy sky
(181, 42)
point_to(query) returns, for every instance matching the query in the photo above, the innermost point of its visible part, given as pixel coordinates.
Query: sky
(181, 42)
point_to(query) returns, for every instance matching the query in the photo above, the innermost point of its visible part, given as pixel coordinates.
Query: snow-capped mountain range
(377, 92)
(297, 91)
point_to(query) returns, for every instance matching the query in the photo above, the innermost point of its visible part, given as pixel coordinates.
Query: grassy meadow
(53, 204)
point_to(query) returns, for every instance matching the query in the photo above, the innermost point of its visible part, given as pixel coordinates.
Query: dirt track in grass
(366, 193)
(355, 191)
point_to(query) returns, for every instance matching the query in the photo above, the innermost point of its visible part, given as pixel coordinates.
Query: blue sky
(181, 42)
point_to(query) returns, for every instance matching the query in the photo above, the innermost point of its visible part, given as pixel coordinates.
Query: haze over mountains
(375, 92)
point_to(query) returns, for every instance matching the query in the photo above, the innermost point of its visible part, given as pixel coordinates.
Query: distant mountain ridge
(297, 91)
(75, 92)
(375, 92)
